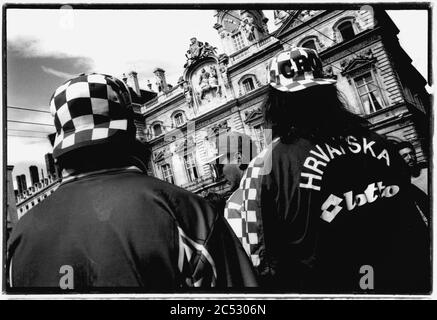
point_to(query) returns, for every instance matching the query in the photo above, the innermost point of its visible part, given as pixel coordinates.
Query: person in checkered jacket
(109, 225)
(330, 195)
(235, 151)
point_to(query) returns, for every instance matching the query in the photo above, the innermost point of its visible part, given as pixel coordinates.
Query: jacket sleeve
(253, 185)
(210, 254)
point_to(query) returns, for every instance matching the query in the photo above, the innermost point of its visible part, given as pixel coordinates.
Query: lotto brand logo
(331, 207)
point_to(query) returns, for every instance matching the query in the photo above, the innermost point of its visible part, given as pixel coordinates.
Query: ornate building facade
(219, 92)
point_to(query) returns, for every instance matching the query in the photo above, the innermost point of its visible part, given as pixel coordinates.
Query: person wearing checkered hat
(109, 225)
(331, 196)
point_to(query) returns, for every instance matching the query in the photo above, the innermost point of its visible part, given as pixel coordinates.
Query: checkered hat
(90, 109)
(297, 69)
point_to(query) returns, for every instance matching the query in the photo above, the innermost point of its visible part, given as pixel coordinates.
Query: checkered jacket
(243, 213)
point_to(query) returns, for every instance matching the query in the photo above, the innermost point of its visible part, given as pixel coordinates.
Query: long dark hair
(317, 113)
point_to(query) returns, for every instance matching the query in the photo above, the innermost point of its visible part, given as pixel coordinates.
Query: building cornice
(344, 46)
(159, 106)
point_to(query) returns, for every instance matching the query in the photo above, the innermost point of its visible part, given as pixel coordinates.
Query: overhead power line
(23, 136)
(28, 109)
(28, 122)
(9, 129)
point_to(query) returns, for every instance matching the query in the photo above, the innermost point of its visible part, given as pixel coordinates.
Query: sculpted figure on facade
(198, 50)
(208, 50)
(209, 82)
(204, 82)
(248, 28)
(194, 52)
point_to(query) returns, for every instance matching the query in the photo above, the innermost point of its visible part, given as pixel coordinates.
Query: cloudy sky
(46, 47)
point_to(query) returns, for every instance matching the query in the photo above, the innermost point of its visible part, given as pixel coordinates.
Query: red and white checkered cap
(90, 109)
(297, 69)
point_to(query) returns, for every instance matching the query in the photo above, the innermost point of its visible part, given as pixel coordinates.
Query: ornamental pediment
(358, 62)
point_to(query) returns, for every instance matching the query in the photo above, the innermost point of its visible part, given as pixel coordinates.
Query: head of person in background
(94, 123)
(418, 172)
(408, 153)
(235, 151)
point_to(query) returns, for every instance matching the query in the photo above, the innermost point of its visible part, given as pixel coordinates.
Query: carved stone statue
(213, 80)
(188, 92)
(203, 82)
(208, 49)
(224, 70)
(248, 28)
(197, 51)
(194, 52)
(196, 48)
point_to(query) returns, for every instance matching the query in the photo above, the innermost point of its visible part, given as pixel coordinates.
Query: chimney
(161, 83)
(134, 76)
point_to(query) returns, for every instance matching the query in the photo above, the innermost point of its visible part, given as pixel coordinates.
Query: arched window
(346, 30)
(157, 130)
(311, 44)
(178, 119)
(248, 85)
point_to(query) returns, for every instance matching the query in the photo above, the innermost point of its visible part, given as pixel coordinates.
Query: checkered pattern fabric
(88, 110)
(238, 220)
(297, 69)
(250, 209)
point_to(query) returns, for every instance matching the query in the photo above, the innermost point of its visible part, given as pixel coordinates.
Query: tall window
(248, 85)
(259, 135)
(167, 173)
(157, 130)
(369, 93)
(310, 44)
(346, 30)
(179, 119)
(238, 41)
(190, 167)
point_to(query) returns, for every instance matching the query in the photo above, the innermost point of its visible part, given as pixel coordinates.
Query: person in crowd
(235, 151)
(109, 225)
(419, 173)
(330, 194)
(419, 179)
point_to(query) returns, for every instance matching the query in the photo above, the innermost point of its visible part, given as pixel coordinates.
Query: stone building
(222, 91)
(35, 195)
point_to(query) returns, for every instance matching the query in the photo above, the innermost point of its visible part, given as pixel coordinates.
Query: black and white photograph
(251, 149)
